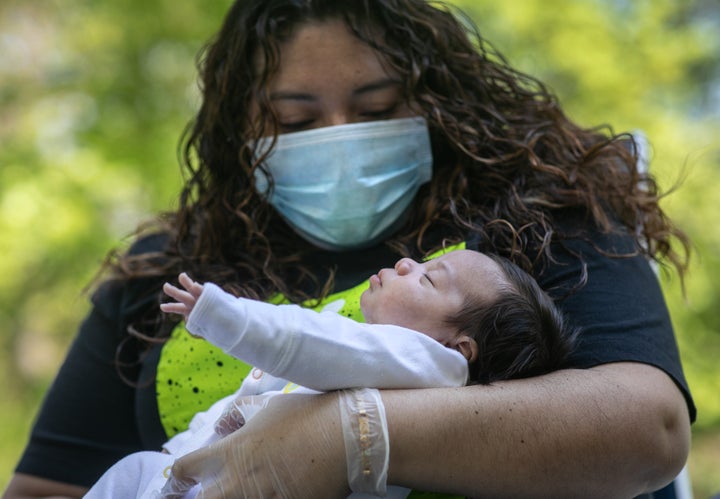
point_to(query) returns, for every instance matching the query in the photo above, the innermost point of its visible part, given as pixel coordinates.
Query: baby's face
(421, 296)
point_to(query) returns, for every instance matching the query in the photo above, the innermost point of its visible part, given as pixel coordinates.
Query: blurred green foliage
(94, 96)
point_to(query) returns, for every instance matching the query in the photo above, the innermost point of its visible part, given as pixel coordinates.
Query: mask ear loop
(365, 432)
(261, 146)
(259, 151)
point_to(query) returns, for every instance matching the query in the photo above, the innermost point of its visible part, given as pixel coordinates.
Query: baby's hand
(185, 299)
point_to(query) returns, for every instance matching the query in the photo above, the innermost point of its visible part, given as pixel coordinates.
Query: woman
(276, 218)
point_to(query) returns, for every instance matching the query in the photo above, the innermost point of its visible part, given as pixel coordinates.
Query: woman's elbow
(672, 444)
(666, 434)
(651, 435)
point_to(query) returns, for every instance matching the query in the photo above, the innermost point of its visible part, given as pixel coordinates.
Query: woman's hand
(295, 449)
(241, 410)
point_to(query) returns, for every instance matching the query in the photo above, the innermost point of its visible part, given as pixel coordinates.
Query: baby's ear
(467, 346)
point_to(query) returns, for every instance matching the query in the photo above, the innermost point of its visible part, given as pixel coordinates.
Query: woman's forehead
(328, 50)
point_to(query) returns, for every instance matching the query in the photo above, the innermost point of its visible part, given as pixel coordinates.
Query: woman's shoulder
(155, 242)
(129, 295)
(581, 252)
(575, 230)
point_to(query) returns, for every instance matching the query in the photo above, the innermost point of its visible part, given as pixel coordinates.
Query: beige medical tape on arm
(366, 440)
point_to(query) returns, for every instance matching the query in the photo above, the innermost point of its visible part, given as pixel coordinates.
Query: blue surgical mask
(347, 186)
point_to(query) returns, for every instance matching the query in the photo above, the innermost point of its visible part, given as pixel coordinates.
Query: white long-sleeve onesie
(323, 351)
(287, 343)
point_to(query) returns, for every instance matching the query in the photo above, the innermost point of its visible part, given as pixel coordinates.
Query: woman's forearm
(24, 486)
(613, 431)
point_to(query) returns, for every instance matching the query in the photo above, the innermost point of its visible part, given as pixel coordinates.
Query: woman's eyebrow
(363, 89)
(281, 95)
(376, 85)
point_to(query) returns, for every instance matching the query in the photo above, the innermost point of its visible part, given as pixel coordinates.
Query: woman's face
(329, 77)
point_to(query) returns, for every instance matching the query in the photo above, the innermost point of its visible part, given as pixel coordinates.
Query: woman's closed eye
(386, 112)
(294, 126)
(426, 276)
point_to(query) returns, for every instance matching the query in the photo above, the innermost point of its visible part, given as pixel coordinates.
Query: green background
(94, 95)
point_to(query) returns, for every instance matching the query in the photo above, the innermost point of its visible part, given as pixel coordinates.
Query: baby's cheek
(363, 300)
(367, 309)
(379, 308)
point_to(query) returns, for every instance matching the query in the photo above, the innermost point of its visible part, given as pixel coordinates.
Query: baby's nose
(405, 266)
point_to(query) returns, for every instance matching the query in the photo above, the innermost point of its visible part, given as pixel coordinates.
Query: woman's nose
(405, 266)
(338, 118)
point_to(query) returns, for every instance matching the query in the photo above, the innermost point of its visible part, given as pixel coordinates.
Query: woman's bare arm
(616, 430)
(612, 431)
(23, 486)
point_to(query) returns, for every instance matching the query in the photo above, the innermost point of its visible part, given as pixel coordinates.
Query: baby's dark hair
(520, 334)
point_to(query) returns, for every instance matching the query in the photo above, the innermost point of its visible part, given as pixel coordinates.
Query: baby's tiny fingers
(173, 308)
(171, 290)
(191, 286)
(180, 295)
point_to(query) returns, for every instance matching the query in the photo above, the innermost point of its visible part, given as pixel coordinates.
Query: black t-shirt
(91, 417)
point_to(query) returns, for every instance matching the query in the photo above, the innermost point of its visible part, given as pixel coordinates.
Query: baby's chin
(364, 309)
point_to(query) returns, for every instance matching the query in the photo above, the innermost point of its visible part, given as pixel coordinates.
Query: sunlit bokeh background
(94, 95)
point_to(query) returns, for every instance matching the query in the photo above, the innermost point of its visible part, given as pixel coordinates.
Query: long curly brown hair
(506, 157)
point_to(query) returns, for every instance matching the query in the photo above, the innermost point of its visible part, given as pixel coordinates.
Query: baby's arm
(323, 351)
